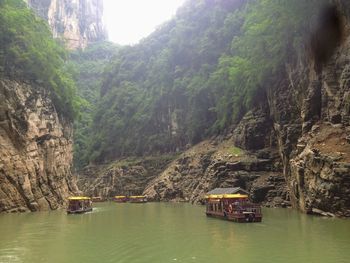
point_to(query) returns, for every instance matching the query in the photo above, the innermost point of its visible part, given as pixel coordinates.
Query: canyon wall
(313, 132)
(77, 22)
(35, 150)
(124, 177)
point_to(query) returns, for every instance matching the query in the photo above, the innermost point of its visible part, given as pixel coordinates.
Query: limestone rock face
(35, 150)
(123, 177)
(310, 111)
(108, 182)
(319, 163)
(77, 22)
(209, 165)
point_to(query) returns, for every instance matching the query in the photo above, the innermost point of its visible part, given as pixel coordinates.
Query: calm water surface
(161, 232)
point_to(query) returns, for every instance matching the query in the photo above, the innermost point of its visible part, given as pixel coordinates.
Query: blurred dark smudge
(327, 35)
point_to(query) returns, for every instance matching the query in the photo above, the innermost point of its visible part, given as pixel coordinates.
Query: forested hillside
(87, 66)
(196, 75)
(29, 53)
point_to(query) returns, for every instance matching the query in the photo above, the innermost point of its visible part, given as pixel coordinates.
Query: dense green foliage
(196, 75)
(88, 66)
(273, 34)
(28, 52)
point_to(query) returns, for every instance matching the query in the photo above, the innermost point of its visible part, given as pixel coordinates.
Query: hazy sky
(128, 21)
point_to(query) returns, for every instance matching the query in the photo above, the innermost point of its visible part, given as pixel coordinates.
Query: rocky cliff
(309, 110)
(187, 177)
(124, 177)
(35, 150)
(216, 163)
(77, 22)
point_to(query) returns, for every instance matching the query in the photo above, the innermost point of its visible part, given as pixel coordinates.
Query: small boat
(234, 207)
(137, 199)
(120, 199)
(97, 199)
(79, 205)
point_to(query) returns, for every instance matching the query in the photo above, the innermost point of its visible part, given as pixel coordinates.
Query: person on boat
(225, 212)
(230, 209)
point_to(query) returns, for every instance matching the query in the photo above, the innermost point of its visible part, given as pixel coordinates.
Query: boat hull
(248, 218)
(79, 211)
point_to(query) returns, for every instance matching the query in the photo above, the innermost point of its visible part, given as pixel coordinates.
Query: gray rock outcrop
(123, 177)
(35, 150)
(209, 165)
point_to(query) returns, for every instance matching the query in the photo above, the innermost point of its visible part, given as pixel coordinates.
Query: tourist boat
(232, 206)
(120, 199)
(79, 204)
(97, 199)
(137, 199)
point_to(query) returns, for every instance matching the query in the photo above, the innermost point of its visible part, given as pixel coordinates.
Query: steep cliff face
(310, 113)
(78, 22)
(124, 177)
(35, 150)
(317, 166)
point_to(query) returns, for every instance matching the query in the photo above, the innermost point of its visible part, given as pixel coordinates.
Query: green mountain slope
(88, 67)
(196, 75)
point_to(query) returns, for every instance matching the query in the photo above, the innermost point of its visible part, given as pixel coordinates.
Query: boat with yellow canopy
(79, 204)
(98, 199)
(137, 199)
(120, 198)
(232, 206)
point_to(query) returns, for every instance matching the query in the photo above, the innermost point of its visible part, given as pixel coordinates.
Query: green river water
(166, 232)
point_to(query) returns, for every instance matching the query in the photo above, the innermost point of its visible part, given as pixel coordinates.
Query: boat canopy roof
(79, 198)
(226, 196)
(235, 196)
(120, 196)
(137, 196)
(226, 191)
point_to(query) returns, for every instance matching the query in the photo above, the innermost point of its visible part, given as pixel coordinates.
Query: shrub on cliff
(29, 53)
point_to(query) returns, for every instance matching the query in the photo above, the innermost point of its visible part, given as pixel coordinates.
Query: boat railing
(239, 209)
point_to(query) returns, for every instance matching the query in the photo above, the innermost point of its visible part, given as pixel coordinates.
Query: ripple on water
(13, 254)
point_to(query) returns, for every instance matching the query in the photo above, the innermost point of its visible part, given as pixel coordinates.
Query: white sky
(128, 21)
